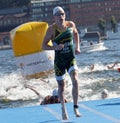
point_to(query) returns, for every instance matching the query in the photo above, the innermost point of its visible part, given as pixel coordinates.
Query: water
(15, 90)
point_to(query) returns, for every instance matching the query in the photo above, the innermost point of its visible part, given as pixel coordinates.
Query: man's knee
(74, 75)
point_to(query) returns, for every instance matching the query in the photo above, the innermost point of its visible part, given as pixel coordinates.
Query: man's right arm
(47, 38)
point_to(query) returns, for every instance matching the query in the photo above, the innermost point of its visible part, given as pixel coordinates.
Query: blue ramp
(98, 111)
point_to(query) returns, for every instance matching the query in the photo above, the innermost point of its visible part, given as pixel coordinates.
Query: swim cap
(57, 9)
(55, 92)
(104, 91)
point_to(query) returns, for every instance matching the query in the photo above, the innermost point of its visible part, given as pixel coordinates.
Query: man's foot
(64, 114)
(76, 111)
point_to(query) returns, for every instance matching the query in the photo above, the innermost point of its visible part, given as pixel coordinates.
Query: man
(61, 34)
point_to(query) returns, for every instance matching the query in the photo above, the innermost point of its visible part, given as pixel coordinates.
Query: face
(59, 17)
(103, 96)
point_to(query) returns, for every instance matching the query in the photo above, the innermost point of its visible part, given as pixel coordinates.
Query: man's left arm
(77, 39)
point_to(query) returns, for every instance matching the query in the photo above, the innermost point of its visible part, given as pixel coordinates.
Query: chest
(63, 37)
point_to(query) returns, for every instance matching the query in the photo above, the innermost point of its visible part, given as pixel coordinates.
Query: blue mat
(98, 111)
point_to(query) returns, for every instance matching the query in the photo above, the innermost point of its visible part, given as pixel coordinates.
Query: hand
(59, 47)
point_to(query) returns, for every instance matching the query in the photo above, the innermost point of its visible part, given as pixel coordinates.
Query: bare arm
(76, 37)
(111, 67)
(48, 37)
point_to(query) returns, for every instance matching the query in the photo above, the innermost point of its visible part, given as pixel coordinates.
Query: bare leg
(74, 78)
(61, 85)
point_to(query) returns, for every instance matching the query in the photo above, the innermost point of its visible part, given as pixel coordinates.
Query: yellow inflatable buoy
(27, 48)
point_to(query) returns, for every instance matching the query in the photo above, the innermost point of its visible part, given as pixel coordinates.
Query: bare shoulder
(50, 28)
(70, 24)
(50, 32)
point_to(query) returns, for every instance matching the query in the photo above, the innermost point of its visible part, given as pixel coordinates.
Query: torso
(65, 58)
(63, 37)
